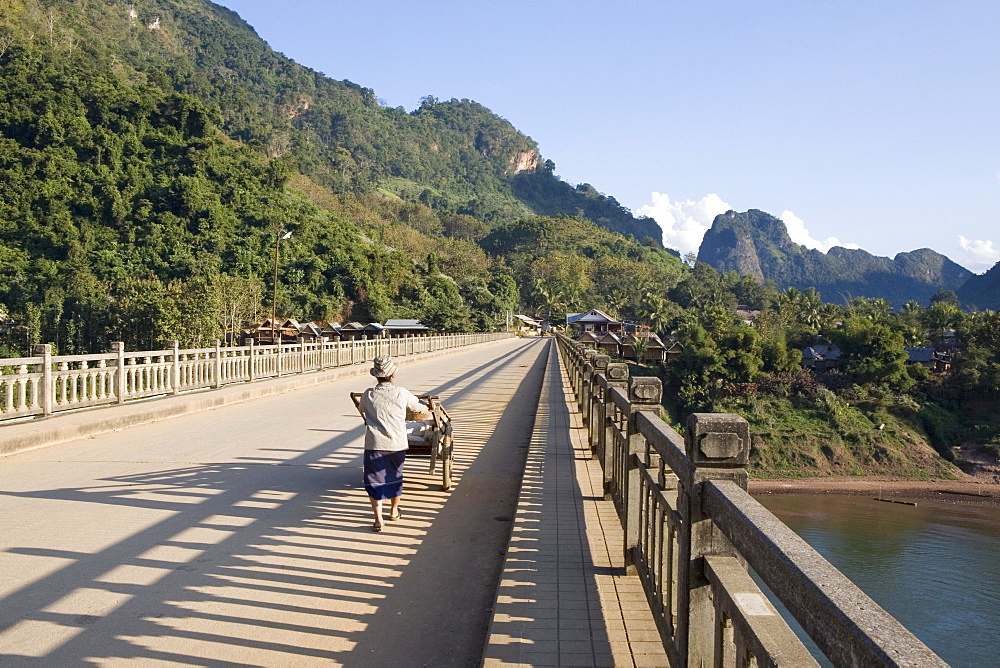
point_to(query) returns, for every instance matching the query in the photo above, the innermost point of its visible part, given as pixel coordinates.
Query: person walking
(384, 408)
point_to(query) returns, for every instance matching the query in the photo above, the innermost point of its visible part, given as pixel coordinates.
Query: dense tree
(946, 296)
(700, 368)
(873, 353)
(979, 368)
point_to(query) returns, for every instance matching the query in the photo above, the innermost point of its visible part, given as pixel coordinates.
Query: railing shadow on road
(273, 557)
(201, 563)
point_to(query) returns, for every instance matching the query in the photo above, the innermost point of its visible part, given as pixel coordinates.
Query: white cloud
(979, 252)
(800, 235)
(684, 223)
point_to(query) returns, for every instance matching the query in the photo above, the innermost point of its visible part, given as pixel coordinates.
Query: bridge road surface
(241, 536)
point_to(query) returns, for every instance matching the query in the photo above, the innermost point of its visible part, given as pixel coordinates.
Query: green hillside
(453, 154)
(151, 152)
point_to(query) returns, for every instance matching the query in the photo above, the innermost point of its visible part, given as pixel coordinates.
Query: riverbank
(967, 492)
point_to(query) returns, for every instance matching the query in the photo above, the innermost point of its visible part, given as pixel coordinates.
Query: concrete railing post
(644, 394)
(175, 366)
(571, 351)
(718, 445)
(217, 363)
(121, 384)
(581, 374)
(617, 376)
(578, 357)
(251, 371)
(48, 390)
(599, 365)
(586, 385)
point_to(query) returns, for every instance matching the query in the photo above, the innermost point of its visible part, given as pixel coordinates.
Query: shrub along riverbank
(818, 433)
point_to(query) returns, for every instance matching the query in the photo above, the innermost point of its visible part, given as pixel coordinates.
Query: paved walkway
(564, 599)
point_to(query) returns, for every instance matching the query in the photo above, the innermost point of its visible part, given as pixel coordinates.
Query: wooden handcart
(437, 442)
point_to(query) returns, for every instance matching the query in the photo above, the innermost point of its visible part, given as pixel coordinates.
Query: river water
(934, 567)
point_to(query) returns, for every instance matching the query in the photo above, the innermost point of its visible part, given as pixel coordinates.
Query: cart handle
(432, 399)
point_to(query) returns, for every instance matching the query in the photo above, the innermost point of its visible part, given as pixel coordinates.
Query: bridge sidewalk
(563, 598)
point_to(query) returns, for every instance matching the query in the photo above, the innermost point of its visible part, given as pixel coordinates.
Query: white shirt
(385, 407)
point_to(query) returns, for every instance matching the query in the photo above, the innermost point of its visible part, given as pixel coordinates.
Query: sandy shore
(972, 491)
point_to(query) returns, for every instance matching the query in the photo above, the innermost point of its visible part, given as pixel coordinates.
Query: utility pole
(278, 237)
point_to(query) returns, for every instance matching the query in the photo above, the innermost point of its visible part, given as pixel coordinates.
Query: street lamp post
(278, 237)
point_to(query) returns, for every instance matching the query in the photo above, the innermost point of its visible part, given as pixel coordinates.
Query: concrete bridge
(239, 535)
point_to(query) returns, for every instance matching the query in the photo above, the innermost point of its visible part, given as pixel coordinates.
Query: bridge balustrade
(691, 530)
(46, 384)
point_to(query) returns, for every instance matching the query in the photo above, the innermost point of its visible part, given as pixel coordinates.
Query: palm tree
(811, 316)
(912, 336)
(639, 346)
(654, 309)
(939, 318)
(616, 301)
(548, 297)
(572, 295)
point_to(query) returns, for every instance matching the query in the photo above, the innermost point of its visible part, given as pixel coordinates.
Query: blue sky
(871, 124)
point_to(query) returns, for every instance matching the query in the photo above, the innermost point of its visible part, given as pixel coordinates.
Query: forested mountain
(982, 292)
(452, 154)
(757, 244)
(151, 152)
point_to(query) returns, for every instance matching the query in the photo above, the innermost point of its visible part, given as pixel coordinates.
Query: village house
(373, 330)
(929, 358)
(747, 314)
(653, 348)
(527, 325)
(662, 350)
(594, 320)
(821, 357)
(351, 331)
(589, 340)
(331, 331)
(403, 327)
(310, 332)
(610, 343)
(271, 332)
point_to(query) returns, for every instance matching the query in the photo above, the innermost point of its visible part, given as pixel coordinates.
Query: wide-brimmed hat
(384, 367)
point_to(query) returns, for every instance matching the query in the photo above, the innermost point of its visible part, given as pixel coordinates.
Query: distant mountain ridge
(757, 244)
(982, 292)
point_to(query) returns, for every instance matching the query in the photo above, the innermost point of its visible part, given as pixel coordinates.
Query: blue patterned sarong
(384, 473)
